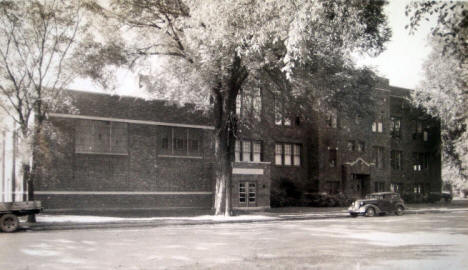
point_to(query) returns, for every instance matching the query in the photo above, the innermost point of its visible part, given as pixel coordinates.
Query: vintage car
(433, 197)
(378, 203)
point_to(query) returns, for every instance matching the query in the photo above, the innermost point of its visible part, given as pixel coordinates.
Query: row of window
(286, 154)
(105, 137)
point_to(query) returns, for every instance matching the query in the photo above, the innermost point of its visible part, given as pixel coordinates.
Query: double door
(247, 194)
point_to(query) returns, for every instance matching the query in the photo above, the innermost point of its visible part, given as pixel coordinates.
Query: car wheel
(370, 212)
(399, 210)
(9, 223)
(353, 214)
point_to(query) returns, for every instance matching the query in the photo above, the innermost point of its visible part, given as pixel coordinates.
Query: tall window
(396, 127)
(396, 157)
(379, 186)
(350, 146)
(180, 141)
(281, 116)
(379, 157)
(332, 119)
(332, 187)
(396, 187)
(360, 146)
(248, 151)
(377, 125)
(101, 137)
(249, 104)
(332, 157)
(288, 154)
(418, 130)
(420, 161)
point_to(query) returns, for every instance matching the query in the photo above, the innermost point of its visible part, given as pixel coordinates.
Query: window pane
(180, 141)
(84, 136)
(246, 151)
(237, 151)
(380, 127)
(287, 154)
(297, 155)
(374, 126)
(119, 138)
(257, 148)
(278, 154)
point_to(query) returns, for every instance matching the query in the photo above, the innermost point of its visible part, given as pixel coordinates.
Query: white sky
(401, 62)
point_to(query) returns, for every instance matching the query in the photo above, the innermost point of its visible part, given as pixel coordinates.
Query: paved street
(427, 241)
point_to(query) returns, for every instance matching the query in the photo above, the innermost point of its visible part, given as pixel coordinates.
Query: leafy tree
(443, 92)
(37, 44)
(209, 51)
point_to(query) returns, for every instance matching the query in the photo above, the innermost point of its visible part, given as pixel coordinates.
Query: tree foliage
(443, 92)
(38, 45)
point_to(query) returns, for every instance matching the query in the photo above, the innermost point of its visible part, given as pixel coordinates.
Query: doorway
(362, 182)
(247, 194)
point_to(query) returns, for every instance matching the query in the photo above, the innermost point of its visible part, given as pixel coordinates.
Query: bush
(285, 193)
(327, 200)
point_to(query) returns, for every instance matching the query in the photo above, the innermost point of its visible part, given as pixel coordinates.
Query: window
(418, 189)
(332, 120)
(418, 131)
(332, 187)
(425, 136)
(396, 127)
(101, 137)
(350, 146)
(420, 161)
(249, 103)
(379, 186)
(297, 155)
(360, 146)
(281, 115)
(396, 187)
(377, 125)
(332, 157)
(288, 154)
(248, 151)
(379, 157)
(396, 160)
(180, 141)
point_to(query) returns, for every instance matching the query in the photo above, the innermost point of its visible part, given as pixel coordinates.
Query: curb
(165, 223)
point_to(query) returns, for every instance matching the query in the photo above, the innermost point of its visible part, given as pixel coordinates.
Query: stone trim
(131, 121)
(51, 192)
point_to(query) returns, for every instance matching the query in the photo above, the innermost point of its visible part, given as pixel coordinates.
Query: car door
(387, 203)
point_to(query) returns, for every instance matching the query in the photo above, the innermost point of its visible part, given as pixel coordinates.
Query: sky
(401, 62)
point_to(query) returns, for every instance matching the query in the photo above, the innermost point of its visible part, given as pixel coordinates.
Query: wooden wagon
(10, 211)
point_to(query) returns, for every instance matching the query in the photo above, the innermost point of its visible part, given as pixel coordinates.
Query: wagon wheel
(9, 223)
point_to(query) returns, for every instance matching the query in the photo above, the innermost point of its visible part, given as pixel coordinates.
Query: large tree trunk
(225, 131)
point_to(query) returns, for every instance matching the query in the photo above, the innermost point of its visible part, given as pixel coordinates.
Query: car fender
(376, 208)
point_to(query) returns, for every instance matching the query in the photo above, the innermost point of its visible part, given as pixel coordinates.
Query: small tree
(215, 49)
(37, 44)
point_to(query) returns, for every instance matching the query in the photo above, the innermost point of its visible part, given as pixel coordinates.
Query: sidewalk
(72, 222)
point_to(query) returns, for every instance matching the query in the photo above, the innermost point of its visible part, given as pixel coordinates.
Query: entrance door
(363, 184)
(248, 194)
